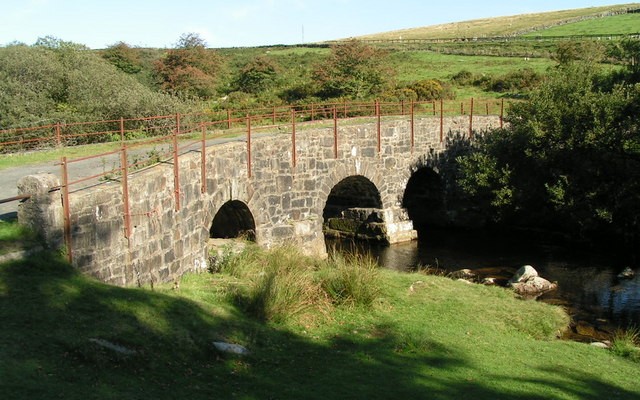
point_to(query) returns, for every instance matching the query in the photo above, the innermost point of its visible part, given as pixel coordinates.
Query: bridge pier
(389, 225)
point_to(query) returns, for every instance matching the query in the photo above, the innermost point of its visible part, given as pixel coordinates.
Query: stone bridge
(266, 191)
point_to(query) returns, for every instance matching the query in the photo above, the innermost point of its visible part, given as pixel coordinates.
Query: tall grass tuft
(351, 280)
(625, 343)
(281, 285)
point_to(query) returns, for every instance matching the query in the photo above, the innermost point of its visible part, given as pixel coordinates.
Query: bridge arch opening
(354, 211)
(233, 220)
(352, 192)
(424, 199)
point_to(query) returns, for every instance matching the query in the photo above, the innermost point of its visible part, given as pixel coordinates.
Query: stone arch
(234, 219)
(351, 192)
(424, 199)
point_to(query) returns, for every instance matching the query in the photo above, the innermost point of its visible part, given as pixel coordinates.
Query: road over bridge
(154, 224)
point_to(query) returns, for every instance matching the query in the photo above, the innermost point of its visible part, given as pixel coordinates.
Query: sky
(238, 23)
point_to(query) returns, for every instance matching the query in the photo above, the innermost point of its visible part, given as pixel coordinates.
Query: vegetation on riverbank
(66, 335)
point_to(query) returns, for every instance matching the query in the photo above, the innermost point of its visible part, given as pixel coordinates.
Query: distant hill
(505, 26)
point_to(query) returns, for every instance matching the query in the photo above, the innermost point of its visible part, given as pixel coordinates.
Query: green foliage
(568, 157)
(123, 57)
(431, 89)
(55, 81)
(626, 343)
(258, 75)
(351, 280)
(353, 70)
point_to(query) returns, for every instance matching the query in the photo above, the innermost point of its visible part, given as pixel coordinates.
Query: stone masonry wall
(286, 201)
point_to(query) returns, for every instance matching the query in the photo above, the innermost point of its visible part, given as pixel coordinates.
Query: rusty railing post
(293, 137)
(335, 132)
(228, 119)
(248, 146)
(377, 105)
(124, 168)
(121, 130)
(471, 120)
(273, 115)
(441, 120)
(176, 167)
(58, 135)
(412, 126)
(203, 160)
(66, 209)
(402, 107)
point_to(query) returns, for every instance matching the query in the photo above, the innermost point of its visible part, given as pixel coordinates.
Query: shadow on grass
(49, 313)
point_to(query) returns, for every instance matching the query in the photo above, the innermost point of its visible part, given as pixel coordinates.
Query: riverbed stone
(524, 274)
(627, 273)
(534, 286)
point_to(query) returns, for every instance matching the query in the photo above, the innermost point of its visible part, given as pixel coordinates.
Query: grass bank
(411, 336)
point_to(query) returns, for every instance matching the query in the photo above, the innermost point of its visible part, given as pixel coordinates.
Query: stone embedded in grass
(112, 346)
(231, 348)
(627, 273)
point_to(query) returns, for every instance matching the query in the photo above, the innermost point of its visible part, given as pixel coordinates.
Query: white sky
(159, 23)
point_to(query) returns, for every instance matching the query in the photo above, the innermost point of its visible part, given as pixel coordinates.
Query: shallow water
(587, 283)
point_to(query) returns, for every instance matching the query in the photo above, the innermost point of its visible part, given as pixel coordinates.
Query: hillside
(502, 26)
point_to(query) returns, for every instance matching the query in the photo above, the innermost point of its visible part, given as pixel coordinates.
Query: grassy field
(500, 26)
(614, 25)
(410, 336)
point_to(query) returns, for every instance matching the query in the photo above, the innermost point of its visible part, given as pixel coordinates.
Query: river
(588, 287)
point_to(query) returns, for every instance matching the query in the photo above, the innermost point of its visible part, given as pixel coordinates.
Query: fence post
(273, 115)
(345, 109)
(434, 107)
(203, 160)
(66, 209)
(121, 130)
(412, 126)
(176, 168)
(441, 119)
(293, 137)
(177, 131)
(58, 134)
(312, 112)
(335, 132)
(228, 119)
(377, 105)
(471, 120)
(124, 167)
(248, 146)
(402, 107)
(501, 112)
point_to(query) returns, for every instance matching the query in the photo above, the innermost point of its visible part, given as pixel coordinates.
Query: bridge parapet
(158, 231)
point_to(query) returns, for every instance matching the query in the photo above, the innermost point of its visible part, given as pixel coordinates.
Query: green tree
(124, 57)
(569, 158)
(258, 75)
(353, 70)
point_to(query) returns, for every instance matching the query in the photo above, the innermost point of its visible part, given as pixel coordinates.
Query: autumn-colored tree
(190, 69)
(353, 70)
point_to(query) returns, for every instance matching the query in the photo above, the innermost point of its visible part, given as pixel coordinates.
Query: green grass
(422, 337)
(624, 24)
(418, 65)
(15, 237)
(499, 26)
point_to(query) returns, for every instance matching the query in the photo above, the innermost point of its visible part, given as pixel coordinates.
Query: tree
(190, 69)
(353, 70)
(124, 57)
(568, 159)
(257, 75)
